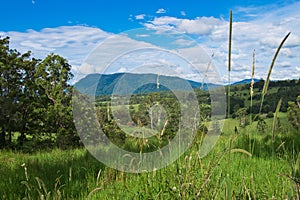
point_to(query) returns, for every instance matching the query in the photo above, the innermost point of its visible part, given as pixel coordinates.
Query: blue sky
(74, 28)
(111, 15)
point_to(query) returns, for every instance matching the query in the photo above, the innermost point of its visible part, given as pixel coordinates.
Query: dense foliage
(35, 100)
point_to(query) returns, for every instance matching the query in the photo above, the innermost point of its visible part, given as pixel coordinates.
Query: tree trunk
(9, 137)
(21, 138)
(2, 138)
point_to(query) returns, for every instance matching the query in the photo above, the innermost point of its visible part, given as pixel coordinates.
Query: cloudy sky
(76, 29)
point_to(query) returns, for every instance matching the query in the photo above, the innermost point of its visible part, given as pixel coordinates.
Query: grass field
(228, 172)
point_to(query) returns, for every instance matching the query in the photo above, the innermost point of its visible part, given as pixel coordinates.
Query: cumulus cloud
(161, 11)
(140, 17)
(84, 69)
(283, 64)
(203, 25)
(262, 30)
(72, 42)
(183, 42)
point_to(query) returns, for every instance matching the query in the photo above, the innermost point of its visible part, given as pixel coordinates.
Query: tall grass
(266, 85)
(275, 122)
(252, 85)
(229, 63)
(190, 177)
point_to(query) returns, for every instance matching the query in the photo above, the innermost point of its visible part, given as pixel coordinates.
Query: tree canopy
(35, 98)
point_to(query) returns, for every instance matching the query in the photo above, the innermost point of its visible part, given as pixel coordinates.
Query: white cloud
(72, 42)
(274, 40)
(140, 17)
(161, 11)
(241, 67)
(183, 13)
(122, 69)
(142, 35)
(203, 25)
(283, 64)
(183, 42)
(287, 52)
(84, 69)
(263, 30)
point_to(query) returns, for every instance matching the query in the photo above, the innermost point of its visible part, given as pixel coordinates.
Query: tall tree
(53, 76)
(10, 88)
(4, 49)
(29, 100)
(16, 90)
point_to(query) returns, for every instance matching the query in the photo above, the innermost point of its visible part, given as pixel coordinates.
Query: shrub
(270, 115)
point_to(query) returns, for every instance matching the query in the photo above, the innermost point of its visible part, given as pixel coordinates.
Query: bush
(270, 115)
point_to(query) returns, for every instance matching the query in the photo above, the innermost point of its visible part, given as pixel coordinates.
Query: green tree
(53, 76)
(16, 90)
(6, 89)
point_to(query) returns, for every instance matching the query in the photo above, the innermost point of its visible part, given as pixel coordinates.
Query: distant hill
(105, 84)
(245, 81)
(125, 83)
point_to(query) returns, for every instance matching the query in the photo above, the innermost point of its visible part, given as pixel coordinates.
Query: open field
(75, 174)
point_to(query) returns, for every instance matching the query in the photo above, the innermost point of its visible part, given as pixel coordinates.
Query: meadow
(242, 165)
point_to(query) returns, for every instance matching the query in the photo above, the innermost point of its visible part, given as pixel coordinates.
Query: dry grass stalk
(252, 85)
(92, 192)
(241, 151)
(206, 72)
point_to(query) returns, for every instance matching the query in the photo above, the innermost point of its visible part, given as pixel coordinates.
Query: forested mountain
(108, 82)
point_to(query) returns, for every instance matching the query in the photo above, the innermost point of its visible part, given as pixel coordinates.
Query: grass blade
(230, 39)
(266, 85)
(275, 119)
(229, 63)
(241, 151)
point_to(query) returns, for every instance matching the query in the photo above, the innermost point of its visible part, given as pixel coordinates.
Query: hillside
(288, 90)
(107, 84)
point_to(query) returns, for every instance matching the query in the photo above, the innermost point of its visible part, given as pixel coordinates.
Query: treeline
(35, 100)
(287, 90)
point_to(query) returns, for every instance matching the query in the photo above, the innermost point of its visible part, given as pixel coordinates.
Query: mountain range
(129, 83)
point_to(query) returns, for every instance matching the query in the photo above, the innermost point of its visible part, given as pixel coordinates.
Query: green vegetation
(35, 101)
(244, 164)
(74, 174)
